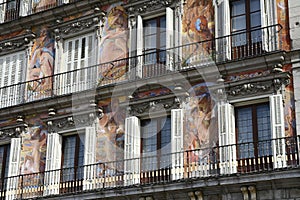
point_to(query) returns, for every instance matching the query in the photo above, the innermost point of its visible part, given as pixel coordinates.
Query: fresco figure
(201, 133)
(40, 5)
(114, 39)
(197, 26)
(41, 65)
(110, 138)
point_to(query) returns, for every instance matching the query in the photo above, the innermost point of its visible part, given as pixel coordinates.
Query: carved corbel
(245, 193)
(252, 191)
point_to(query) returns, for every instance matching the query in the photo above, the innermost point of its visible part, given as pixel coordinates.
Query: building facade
(174, 99)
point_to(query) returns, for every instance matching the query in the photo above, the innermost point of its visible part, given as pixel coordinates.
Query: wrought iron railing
(199, 54)
(170, 168)
(14, 9)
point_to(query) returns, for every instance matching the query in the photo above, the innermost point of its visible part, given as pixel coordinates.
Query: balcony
(14, 9)
(178, 167)
(218, 51)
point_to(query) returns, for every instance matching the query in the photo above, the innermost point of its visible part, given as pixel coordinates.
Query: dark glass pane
(7, 160)
(255, 19)
(254, 5)
(245, 132)
(2, 148)
(238, 23)
(238, 8)
(264, 130)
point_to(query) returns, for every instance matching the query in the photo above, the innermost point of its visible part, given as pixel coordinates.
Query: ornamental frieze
(16, 43)
(140, 7)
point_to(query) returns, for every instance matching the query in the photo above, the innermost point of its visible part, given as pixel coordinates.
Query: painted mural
(114, 39)
(110, 137)
(283, 16)
(289, 107)
(197, 25)
(40, 5)
(33, 152)
(200, 129)
(41, 65)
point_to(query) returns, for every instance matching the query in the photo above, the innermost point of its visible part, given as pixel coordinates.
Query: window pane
(7, 160)
(238, 7)
(254, 5)
(264, 130)
(239, 39)
(150, 27)
(149, 136)
(163, 23)
(165, 160)
(69, 158)
(238, 23)
(80, 157)
(4, 160)
(150, 42)
(255, 20)
(245, 132)
(1, 159)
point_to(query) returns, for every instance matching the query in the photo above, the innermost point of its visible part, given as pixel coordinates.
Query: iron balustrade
(174, 167)
(14, 9)
(176, 59)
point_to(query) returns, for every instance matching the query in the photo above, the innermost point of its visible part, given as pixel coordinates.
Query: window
(156, 144)
(72, 158)
(245, 23)
(11, 72)
(154, 46)
(253, 131)
(12, 9)
(4, 162)
(78, 55)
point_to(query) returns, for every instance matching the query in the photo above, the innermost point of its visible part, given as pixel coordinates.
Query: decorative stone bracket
(62, 29)
(139, 7)
(74, 120)
(155, 105)
(271, 84)
(16, 43)
(14, 130)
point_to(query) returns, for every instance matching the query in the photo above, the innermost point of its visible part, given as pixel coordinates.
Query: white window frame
(85, 77)
(277, 125)
(222, 19)
(12, 73)
(170, 30)
(54, 159)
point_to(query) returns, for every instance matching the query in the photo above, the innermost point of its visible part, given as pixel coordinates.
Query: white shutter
(177, 144)
(269, 37)
(2, 10)
(132, 151)
(13, 169)
(177, 37)
(277, 127)
(227, 144)
(53, 163)
(169, 38)
(89, 158)
(224, 31)
(78, 54)
(139, 48)
(12, 68)
(24, 7)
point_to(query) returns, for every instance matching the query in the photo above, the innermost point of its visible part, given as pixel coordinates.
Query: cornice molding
(77, 26)
(256, 86)
(135, 7)
(16, 43)
(15, 130)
